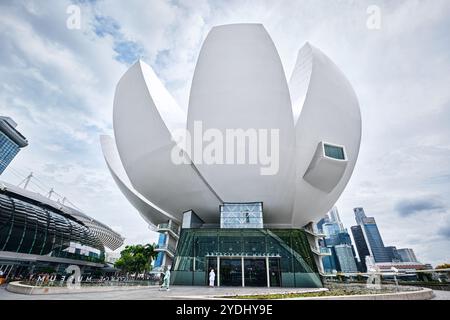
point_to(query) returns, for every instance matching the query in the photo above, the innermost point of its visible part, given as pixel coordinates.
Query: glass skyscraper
(11, 141)
(393, 254)
(330, 229)
(338, 240)
(359, 215)
(346, 258)
(361, 246)
(372, 236)
(374, 241)
(407, 255)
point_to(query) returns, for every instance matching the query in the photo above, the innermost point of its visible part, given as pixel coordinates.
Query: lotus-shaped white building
(239, 84)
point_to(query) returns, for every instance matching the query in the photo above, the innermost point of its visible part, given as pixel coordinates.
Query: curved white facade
(239, 83)
(329, 113)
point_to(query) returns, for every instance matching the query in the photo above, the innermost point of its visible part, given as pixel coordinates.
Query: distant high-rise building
(407, 255)
(322, 222)
(346, 258)
(338, 238)
(11, 141)
(331, 228)
(374, 240)
(334, 217)
(361, 246)
(329, 262)
(393, 254)
(337, 235)
(372, 236)
(359, 215)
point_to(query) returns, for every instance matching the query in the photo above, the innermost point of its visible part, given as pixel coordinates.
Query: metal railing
(168, 226)
(166, 247)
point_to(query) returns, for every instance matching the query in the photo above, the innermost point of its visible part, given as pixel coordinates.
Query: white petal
(330, 113)
(145, 143)
(239, 83)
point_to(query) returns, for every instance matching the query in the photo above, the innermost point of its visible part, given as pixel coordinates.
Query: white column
(242, 270)
(163, 262)
(218, 271)
(267, 272)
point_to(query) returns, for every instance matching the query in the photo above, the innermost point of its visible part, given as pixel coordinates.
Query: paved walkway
(441, 295)
(176, 292)
(152, 293)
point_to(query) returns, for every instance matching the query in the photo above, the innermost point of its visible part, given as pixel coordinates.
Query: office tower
(346, 258)
(361, 245)
(407, 255)
(331, 228)
(329, 262)
(334, 217)
(372, 236)
(359, 215)
(11, 141)
(337, 235)
(393, 254)
(338, 238)
(321, 223)
(374, 240)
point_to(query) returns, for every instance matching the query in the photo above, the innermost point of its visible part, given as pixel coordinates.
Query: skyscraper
(361, 246)
(374, 240)
(330, 228)
(346, 258)
(393, 254)
(372, 236)
(329, 262)
(407, 255)
(332, 224)
(359, 215)
(11, 141)
(334, 217)
(342, 258)
(322, 222)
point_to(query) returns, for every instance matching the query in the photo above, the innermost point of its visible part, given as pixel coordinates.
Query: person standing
(212, 278)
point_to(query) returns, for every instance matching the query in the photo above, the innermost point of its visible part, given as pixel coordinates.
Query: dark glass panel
(255, 272)
(230, 272)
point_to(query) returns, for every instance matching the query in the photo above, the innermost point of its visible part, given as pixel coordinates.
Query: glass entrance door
(230, 272)
(255, 272)
(274, 272)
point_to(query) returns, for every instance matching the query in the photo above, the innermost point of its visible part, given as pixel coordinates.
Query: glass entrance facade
(230, 272)
(255, 272)
(282, 256)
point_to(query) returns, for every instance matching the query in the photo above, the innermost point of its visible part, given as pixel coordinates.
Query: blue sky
(58, 85)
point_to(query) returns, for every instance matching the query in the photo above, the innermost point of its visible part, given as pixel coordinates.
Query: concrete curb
(17, 287)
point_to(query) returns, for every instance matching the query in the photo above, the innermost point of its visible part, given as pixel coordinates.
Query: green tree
(136, 258)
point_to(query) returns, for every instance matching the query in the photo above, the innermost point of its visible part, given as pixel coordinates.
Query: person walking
(212, 278)
(166, 279)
